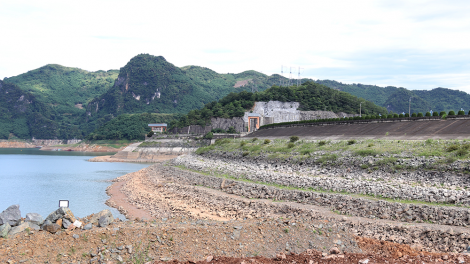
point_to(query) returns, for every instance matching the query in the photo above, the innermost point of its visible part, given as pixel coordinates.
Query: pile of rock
(11, 222)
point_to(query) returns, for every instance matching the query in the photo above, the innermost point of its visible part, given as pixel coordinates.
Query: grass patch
(366, 152)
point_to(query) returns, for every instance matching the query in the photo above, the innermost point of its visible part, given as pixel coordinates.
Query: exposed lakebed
(37, 180)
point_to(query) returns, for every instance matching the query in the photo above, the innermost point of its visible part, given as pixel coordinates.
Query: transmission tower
(298, 78)
(282, 75)
(290, 76)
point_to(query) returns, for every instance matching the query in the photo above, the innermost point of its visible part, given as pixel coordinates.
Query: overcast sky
(416, 44)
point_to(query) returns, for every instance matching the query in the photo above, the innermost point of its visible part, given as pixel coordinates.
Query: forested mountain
(65, 91)
(23, 116)
(311, 96)
(397, 99)
(78, 102)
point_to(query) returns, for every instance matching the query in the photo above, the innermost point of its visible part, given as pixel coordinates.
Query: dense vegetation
(23, 116)
(397, 99)
(129, 126)
(311, 96)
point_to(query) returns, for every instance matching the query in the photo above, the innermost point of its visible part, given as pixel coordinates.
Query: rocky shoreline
(220, 210)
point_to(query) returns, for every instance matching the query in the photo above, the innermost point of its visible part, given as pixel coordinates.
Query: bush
(413, 115)
(442, 113)
(254, 139)
(420, 114)
(267, 141)
(351, 142)
(218, 130)
(221, 141)
(452, 148)
(322, 143)
(364, 166)
(245, 153)
(401, 115)
(469, 112)
(150, 134)
(461, 113)
(290, 145)
(407, 115)
(435, 114)
(395, 115)
(209, 135)
(370, 145)
(390, 116)
(294, 138)
(461, 152)
(428, 114)
(451, 113)
(243, 143)
(231, 130)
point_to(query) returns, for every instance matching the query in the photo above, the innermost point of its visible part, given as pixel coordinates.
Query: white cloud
(342, 40)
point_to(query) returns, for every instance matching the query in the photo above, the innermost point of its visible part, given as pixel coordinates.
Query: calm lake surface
(37, 180)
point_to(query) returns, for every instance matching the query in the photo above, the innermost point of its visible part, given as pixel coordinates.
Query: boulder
(103, 221)
(11, 215)
(4, 229)
(106, 213)
(62, 212)
(34, 218)
(88, 226)
(22, 227)
(52, 228)
(66, 223)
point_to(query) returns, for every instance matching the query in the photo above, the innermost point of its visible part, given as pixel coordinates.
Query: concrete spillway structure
(439, 129)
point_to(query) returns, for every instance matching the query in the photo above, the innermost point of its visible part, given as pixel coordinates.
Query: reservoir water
(37, 180)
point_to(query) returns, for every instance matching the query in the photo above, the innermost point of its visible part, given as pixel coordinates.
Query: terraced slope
(443, 129)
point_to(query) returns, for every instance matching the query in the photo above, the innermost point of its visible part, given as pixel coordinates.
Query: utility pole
(409, 108)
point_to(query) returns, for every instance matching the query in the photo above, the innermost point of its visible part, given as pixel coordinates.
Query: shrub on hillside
(209, 135)
(294, 138)
(321, 143)
(267, 141)
(150, 134)
(218, 130)
(351, 142)
(290, 145)
(231, 130)
(254, 139)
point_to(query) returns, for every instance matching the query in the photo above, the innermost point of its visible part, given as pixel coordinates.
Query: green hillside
(312, 96)
(23, 116)
(397, 99)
